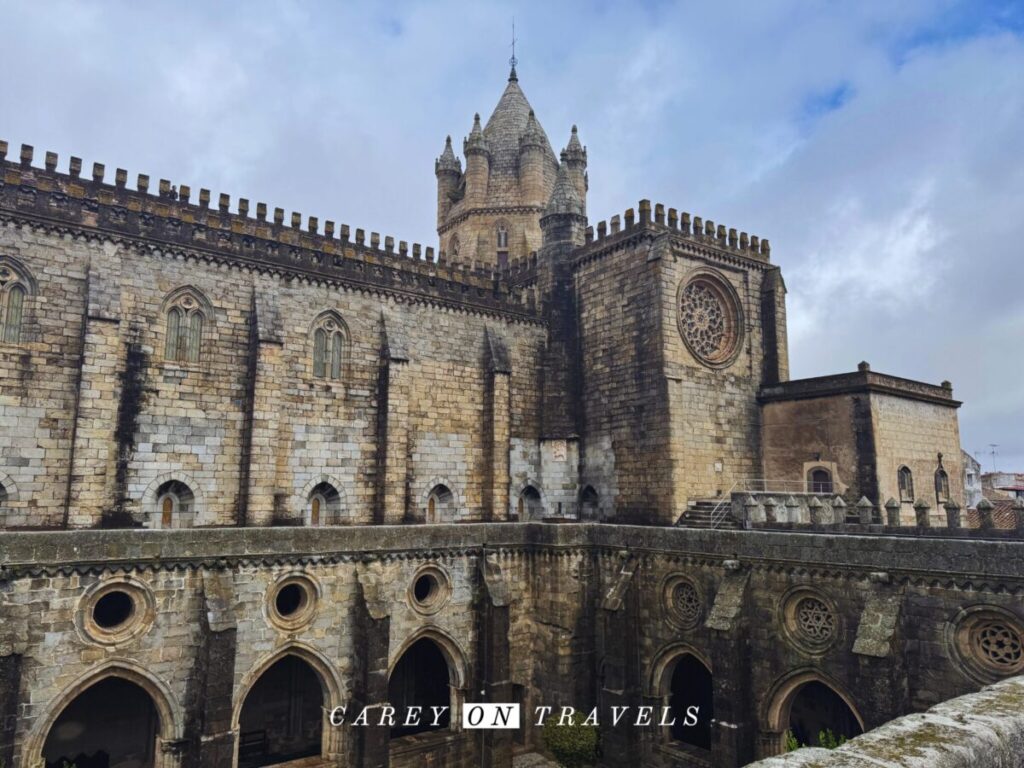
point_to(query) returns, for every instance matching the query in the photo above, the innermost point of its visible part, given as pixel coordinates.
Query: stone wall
(593, 617)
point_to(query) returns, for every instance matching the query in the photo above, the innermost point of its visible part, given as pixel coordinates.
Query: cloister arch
(66, 730)
(414, 677)
(806, 701)
(287, 666)
(681, 677)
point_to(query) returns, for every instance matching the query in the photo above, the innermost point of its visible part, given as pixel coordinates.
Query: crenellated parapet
(176, 217)
(697, 230)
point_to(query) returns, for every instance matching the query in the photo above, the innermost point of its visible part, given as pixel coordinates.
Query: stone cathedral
(256, 467)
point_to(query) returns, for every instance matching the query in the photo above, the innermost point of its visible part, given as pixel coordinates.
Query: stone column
(985, 508)
(212, 683)
(952, 515)
(94, 452)
(619, 675)
(392, 505)
(497, 417)
(263, 416)
(892, 513)
(495, 668)
(732, 737)
(922, 512)
(372, 629)
(864, 511)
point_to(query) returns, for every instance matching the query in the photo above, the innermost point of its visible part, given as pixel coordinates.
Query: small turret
(575, 157)
(531, 163)
(564, 218)
(448, 170)
(478, 163)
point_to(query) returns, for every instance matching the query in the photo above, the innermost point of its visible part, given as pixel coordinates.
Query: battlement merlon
(693, 229)
(863, 380)
(170, 216)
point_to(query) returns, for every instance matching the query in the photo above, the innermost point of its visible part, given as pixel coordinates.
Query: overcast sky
(878, 145)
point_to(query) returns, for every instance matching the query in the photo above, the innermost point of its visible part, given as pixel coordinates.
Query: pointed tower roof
(564, 198)
(477, 139)
(574, 150)
(448, 161)
(506, 126)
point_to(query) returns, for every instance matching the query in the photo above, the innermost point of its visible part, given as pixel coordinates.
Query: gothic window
(440, 505)
(502, 237)
(329, 342)
(453, 247)
(710, 319)
(941, 486)
(819, 481)
(906, 483)
(15, 288)
(186, 314)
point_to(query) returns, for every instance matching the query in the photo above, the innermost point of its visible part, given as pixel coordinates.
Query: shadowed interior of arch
(175, 505)
(440, 505)
(691, 686)
(281, 717)
(530, 505)
(815, 709)
(111, 723)
(420, 679)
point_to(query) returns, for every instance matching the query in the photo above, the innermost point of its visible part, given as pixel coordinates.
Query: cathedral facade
(239, 452)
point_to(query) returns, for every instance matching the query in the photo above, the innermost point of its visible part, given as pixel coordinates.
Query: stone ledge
(980, 730)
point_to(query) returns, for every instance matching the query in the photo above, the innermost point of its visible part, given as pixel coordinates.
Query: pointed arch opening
(282, 716)
(330, 346)
(905, 479)
(113, 722)
(440, 505)
(16, 285)
(323, 505)
(428, 673)
(812, 710)
(683, 681)
(187, 315)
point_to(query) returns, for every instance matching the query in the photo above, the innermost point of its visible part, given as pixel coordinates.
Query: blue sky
(878, 145)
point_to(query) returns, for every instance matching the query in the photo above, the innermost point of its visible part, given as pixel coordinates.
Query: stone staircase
(698, 515)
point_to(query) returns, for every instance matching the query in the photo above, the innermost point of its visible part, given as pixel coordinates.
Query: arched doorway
(111, 724)
(175, 505)
(530, 506)
(421, 678)
(819, 480)
(589, 503)
(817, 713)
(691, 700)
(282, 716)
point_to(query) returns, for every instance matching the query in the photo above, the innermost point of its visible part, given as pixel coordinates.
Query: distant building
(1002, 485)
(972, 479)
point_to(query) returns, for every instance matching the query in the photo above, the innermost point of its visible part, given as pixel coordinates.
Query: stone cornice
(858, 382)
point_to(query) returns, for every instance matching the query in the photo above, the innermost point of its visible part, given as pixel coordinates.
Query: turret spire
(513, 77)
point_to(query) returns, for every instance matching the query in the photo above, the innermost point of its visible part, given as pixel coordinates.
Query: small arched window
(440, 505)
(502, 237)
(329, 342)
(15, 288)
(589, 503)
(324, 506)
(941, 486)
(530, 506)
(186, 315)
(453, 247)
(175, 505)
(906, 483)
(819, 480)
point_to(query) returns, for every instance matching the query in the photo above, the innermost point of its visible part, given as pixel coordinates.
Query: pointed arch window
(502, 237)
(330, 340)
(941, 486)
(453, 247)
(906, 483)
(15, 288)
(186, 316)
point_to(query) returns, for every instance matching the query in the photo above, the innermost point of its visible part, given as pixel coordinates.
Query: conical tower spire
(448, 161)
(564, 197)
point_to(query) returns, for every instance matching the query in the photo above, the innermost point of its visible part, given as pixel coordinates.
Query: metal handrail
(721, 506)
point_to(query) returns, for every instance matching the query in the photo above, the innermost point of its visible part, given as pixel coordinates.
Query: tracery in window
(15, 288)
(330, 340)
(187, 313)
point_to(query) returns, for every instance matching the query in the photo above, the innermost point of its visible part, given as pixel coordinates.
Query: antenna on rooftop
(992, 452)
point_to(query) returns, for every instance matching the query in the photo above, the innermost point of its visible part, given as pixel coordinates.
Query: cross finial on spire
(513, 61)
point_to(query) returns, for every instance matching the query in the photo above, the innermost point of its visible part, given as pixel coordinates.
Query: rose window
(998, 645)
(815, 620)
(686, 602)
(709, 320)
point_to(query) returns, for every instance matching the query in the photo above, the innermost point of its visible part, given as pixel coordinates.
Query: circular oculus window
(115, 611)
(429, 590)
(292, 602)
(989, 642)
(810, 621)
(682, 601)
(709, 319)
